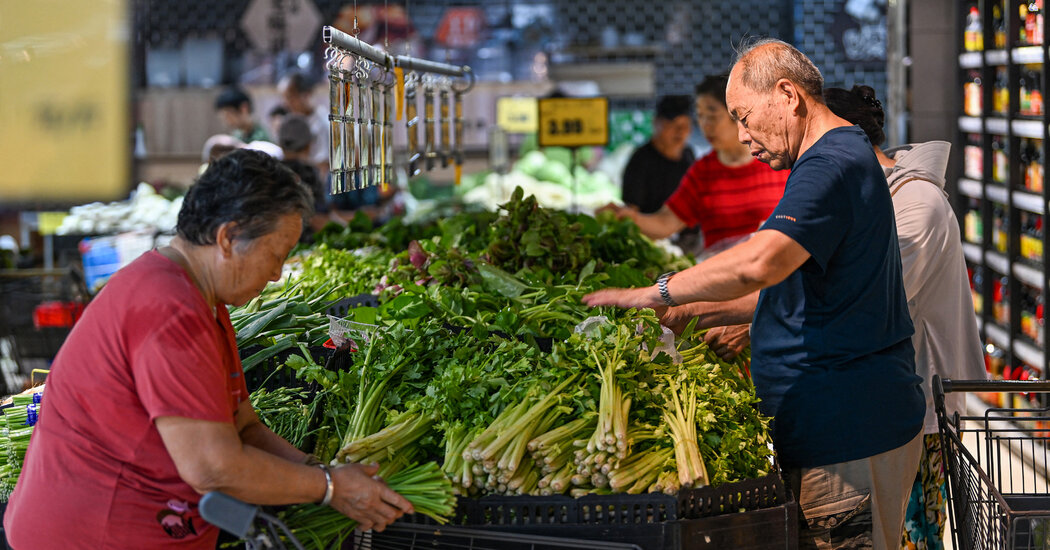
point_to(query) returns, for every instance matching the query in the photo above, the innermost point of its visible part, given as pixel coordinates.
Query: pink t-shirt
(97, 474)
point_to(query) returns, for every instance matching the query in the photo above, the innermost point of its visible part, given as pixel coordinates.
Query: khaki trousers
(855, 504)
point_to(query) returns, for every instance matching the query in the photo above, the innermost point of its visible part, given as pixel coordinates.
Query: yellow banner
(573, 121)
(517, 115)
(64, 100)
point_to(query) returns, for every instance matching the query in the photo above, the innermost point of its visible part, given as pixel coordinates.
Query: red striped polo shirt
(726, 202)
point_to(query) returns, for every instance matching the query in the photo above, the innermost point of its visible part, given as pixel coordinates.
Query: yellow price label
(49, 222)
(517, 115)
(573, 121)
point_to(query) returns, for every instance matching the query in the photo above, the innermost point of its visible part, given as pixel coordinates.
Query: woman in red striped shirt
(727, 192)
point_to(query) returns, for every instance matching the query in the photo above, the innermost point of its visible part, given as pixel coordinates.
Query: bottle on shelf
(973, 35)
(1032, 314)
(973, 227)
(1022, 31)
(976, 288)
(974, 157)
(1035, 92)
(1033, 22)
(1030, 95)
(1032, 158)
(994, 360)
(1000, 225)
(1000, 160)
(999, 26)
(1001, 300)
(1001, 93)
(972, 101)
(1031, 238)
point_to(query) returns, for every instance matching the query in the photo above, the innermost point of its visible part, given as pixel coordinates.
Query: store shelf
(1027, 54)
(997, 193)
(997, 262)
(998, 335)
(997, 126)
(1028, 353)
(1029, 201)
(970, 124)
(971, 188)
(1028, 128)
(995, 57)
(970, 60)
(1029, 275)
(972, 253)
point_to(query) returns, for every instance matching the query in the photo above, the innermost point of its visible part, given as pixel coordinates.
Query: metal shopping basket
(996, 466)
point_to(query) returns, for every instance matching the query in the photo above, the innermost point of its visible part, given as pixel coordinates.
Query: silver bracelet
(329, 490)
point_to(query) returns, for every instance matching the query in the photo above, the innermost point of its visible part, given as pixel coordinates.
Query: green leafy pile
(482, 357)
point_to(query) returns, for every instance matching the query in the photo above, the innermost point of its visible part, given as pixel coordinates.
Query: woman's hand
(365, 499)
(728, 342)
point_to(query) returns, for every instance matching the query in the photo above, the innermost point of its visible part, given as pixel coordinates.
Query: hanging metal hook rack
(361, 145)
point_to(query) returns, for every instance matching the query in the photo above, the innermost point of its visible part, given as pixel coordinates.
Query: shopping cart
(996, 465)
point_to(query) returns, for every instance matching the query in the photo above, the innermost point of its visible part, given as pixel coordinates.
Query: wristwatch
(661, 284)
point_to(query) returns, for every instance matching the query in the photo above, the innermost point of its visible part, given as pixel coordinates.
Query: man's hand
(365, 499)
(643, 297)
(728, 342)
(676, 318)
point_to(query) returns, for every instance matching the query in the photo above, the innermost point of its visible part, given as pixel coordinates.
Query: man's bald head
(761, 64)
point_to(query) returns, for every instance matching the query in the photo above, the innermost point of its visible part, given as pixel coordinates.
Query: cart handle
(947, 385)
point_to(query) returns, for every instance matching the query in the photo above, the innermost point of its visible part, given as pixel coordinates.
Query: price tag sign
(573, 121)
(516, 115)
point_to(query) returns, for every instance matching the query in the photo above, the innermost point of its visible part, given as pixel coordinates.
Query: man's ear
(790, 93)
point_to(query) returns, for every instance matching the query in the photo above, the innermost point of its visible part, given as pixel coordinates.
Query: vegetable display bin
(756, 514)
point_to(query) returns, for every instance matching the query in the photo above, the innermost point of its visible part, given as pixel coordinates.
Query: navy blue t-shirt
(832, 358)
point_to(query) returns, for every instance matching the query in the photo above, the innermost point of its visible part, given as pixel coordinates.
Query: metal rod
(346, 42)
(425, 66)
(340, 39)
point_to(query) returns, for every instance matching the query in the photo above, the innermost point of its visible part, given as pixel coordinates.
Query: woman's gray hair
(764, 61)
(250, 189)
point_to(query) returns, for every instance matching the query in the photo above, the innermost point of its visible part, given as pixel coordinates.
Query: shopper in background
(275, 116)
(235, 110)
(832, 358)
(654, 170)
(295, 139)
(296, 91)
(146, 405)
(946, 339)
(727, 193)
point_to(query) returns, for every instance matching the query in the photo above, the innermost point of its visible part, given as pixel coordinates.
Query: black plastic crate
(270, 373)
(755, 514)
(340, 308)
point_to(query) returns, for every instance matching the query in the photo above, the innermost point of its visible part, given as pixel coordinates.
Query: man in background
(656, 168)
(296, 91)
(295, 138)
(235, 110)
